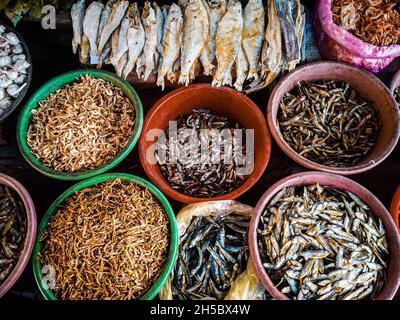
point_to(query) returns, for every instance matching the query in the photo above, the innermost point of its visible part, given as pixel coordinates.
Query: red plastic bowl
(327, 179)
(369, 87)
(224, 101)
(30, 236)
(395, 208)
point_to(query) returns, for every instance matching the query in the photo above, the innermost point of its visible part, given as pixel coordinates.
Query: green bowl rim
(80, 175)
(173, 245)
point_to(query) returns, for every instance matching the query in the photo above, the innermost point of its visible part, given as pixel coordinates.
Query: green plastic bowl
(173, 245)
(58, 83)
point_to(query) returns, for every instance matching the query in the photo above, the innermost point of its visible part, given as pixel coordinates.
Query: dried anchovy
(82, 126)
(376, 21)
(213, 252)
(197, 177)
(397, 95)
(12, 231)
(109, 241)
(329, 123)
(321, 243)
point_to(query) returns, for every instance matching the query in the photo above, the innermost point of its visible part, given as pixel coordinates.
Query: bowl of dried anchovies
(110, 237)
(333, 117)
(201, 143)
(320, 236)
(17, 231)
(395, 208)
(80, 124)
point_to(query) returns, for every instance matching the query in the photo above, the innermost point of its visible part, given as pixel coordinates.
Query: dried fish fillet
(91, 23)
(77, 16)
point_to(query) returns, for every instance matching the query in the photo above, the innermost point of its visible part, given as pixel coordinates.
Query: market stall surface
(52, 55)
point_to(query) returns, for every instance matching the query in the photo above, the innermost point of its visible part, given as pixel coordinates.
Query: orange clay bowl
(225, 102)
(395, 208)
(367, 85)
(341, 183)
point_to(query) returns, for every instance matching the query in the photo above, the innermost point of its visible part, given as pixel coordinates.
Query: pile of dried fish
(13, 69)
(212, 253)
(224, 38)
(397, 95)
(108, 241)
(184, 165)
(81, 126)
(373, 21)
(12, 230)
(329, 123)
(321, 243)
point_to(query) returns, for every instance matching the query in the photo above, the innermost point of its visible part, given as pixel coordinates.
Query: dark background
(52, 55)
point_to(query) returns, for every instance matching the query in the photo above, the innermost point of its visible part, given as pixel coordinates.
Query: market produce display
(329, 123)
(197, 176)
(226, 41)
(321, 243)
(12, 230)
(82, 126)
(13, 69)
(108, 241)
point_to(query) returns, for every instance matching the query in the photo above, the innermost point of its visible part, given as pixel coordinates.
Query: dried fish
(217, 11)
(81, 126)
(91, 23)
(207, 65)
(213, 252)
(77, 15)
(242, 70)
(13, 224)
(328, 122)
(325, 260)
(123, 37)
(106, 242)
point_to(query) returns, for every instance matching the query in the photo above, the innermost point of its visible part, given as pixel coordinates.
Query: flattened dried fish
(217, 11)
(228, 42)
(242, 69)
(103, 21)
(123, 37)
(91, 23)
(77, 15)
(207, 65)
(160, 27)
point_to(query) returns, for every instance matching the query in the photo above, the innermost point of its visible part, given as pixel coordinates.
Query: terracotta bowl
(338, 182)
(225, 102)
(369, 87)
(30, 236)
(395, 208)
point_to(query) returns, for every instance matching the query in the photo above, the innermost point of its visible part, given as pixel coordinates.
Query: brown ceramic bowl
(338, 182)
(369, 87)
(30, 236)
(225, 102)
(395, 208)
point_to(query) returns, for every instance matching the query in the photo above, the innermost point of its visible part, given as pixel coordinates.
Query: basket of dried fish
(111, 237)
(15, 70)
(333, 117)
(319, 236)
(17, 231)
(365, 33)
(244, 46)
(202, 143)
(395, 208)
(213, 257)
(80, 124)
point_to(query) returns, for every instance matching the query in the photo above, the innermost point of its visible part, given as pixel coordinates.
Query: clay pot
(395, 208)
(225, 102)
(307, 178)
(369, 87)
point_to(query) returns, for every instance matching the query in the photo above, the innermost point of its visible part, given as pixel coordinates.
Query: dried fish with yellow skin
(300, 22)
(242, 69)
(205, 62)
(217, 11)
(228, 42)
(193, 38)
(136, 39)
(172, 45)
(146, 62)
(114, 21)
(85, 50)
(253, 34)
(91, 23)
(77, 16)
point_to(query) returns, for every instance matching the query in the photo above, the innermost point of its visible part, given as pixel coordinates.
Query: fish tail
(184, 79)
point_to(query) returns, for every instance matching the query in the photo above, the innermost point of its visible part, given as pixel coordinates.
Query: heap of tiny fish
(374, 21)
(224, 38)
(106, 242)
(329, 123)
(212, 253)
(191, 173)
(321, 243)
(12, 230)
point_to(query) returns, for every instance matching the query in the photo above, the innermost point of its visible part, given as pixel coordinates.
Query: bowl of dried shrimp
(333, 117)
(110, 237)
(320, 236)
(80, 124)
